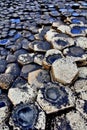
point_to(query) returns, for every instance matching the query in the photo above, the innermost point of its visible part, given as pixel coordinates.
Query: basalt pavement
(43, 65)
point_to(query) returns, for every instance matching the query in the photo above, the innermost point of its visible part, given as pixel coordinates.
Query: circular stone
(25, 116)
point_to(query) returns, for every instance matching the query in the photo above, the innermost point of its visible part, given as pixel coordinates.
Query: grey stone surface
(35, 117)
(6, 80)
(53, 98)
(51, 56)
(64, 71)
(26, 94)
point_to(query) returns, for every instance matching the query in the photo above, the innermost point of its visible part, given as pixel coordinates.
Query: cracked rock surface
(43, 65)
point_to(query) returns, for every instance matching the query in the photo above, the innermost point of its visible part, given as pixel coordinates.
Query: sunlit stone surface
(27, 116)
(80, 87)
(39, 77)
(4, 108)
(43, 41)
(53, 98)
(77, 122)
(51, 56)
(76, 53)
(26, 93)
(81, 106)
(64, 71)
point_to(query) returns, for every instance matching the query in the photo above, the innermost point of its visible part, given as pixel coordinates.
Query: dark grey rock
(6, 80)
(13, 69)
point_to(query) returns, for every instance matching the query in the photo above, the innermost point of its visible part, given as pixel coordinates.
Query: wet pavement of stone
(43, 65)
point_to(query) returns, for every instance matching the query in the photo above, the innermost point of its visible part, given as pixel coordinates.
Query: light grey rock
(80, 87)
(64, 71)
(81, 106)
(24, 59)
(39, 77)
(51, 56)
(53, 98)
(24, 94)
(76, 121)
(31, 115)
(4, 108)
(82, 72)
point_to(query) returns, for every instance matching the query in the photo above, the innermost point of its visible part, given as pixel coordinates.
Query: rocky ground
(43, 65)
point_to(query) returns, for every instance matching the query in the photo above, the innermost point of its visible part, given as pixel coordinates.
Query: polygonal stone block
(50, 56)
(23, 94)
(53, 98)
(39, 77)
(64, 71)
(80, 88)
(28, 116)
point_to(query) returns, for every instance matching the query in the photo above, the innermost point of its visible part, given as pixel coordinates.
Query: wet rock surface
(43, 65)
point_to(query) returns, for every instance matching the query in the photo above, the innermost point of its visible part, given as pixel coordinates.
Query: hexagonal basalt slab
(27, 116)
(82, 72)
(76, 121)
(64, 71)
(38, 59)
(39, 77)
(50, 57)
(4, 42)
(62, 42)
(53, 98)
(6, 80)
(81, 106)
(82, 42)
(80, 88)
(25, 93)
(58, 42)
(40, 46)
(77, 30)
(24, 59)
(4, 108)
(76, 53)
(50, 35)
